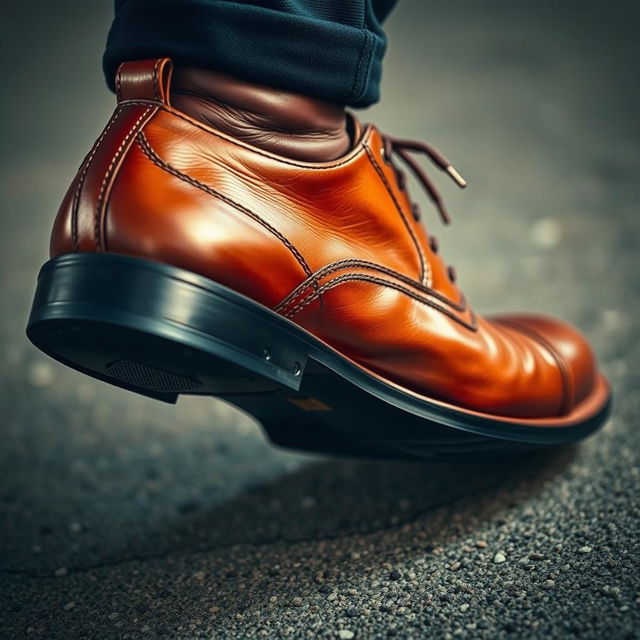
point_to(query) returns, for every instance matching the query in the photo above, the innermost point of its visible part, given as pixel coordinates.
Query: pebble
(394, 575)
(345, 634)
(499, 558)
(584, 549)
(481, 544)
(61, 572)
(297, 601)
(69, 606)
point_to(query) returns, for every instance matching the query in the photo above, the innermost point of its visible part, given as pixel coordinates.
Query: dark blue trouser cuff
(331, 49)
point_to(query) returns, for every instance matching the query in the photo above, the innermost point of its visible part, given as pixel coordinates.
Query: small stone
(481, 544)
(351, 613)
(394, 575)
(75, 527)
(214, 609)
(61, 572)
(464, 607)
(332, 596)
(584, 549)
(69, 606)
(113, 615)
(455, 566)
(536, 556)
(345, 634)
(297, 601)
(499, 558)
(199, 575)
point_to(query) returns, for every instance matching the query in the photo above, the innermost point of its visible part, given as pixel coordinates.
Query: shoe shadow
(335, 498)
(336, 506)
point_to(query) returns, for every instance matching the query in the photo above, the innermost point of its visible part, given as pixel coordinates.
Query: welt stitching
(385, 283)
(565, 373)
(310, 167)
(81, 179)
(153, 156)
(302, 288)
(108, 175)
(424, 274)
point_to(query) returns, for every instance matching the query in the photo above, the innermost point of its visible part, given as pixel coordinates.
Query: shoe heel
(158, 330)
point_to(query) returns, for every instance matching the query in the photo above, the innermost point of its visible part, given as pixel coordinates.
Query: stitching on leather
(473, 326)
(107, 177)
(301, 289)
(155, 80)
(153, 156)
(425, 272)
(565, 371)
(161, 106)
(119, 82)
(83, 175)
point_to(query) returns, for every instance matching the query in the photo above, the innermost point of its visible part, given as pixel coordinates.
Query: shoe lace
(402, 148)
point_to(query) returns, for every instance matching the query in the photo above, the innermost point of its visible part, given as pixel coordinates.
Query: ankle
(275, 120)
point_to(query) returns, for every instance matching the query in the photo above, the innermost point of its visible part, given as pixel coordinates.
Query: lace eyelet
(434, 244)
(451, 272)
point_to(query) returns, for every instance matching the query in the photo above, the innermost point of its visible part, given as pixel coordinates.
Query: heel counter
(141, 87)
(79, 224)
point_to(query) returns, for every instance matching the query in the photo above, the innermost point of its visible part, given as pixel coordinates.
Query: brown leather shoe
(185, 260)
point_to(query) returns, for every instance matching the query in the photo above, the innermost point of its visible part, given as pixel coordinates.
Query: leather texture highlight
(333, 246)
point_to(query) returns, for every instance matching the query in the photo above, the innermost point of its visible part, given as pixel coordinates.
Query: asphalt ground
(121, 517)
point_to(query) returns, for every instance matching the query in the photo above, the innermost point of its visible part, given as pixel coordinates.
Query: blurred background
(121, 517)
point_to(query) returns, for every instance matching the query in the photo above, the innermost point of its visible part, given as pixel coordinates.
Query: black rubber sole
(161, 331)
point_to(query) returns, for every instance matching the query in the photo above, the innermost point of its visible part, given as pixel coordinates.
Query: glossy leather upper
(333, 246)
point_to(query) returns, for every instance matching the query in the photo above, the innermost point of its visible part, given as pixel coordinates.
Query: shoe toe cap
(568, 347)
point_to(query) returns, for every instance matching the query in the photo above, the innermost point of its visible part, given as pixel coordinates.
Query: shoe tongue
(144, 80)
